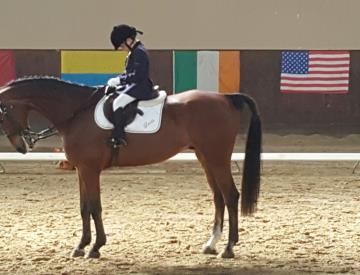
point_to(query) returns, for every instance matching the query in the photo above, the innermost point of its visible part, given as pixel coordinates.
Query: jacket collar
(137, 43)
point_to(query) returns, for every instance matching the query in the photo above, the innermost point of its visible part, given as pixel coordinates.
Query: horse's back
(196, 95)
(204, 114)
(202, 103)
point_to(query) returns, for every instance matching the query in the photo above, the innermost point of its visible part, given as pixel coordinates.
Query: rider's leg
(119, 120)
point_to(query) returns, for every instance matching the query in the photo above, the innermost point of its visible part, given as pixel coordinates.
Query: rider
(136, 82)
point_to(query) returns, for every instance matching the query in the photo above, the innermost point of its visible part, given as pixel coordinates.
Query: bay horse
(202, 121)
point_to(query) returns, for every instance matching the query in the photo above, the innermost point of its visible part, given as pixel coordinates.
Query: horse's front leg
(91, 178)
(95, 206)
(85, 215)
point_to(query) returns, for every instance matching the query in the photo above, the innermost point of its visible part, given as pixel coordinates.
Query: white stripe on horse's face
(215, 237)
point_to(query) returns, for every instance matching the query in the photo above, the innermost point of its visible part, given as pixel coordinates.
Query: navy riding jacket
(137, 72)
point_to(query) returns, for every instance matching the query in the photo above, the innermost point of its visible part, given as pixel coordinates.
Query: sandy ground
(158, 217)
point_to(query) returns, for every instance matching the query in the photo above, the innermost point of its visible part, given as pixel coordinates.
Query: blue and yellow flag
(91, 67)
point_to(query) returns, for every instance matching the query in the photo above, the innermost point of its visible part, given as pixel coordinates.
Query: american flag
(324, 72)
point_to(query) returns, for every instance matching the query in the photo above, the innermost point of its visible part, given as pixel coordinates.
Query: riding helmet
(122, 32)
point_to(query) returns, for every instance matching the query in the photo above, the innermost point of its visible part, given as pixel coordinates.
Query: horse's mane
(57, 87)
(30, 79)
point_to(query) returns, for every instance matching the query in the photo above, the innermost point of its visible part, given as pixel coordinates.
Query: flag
(7, 67)
(229, 71)
(320, 72)
(216, 71)
(184, 70)
(91, 67)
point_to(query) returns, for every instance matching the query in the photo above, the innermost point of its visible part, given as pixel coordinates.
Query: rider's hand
(122, 79)
(110, 90)
(113, 82)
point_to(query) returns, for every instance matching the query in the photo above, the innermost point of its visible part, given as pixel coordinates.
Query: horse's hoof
(77, 253)
(226, 254)
(209, 250)
(93, 255)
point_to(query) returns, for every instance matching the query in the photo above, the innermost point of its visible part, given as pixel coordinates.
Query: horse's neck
(56, 103)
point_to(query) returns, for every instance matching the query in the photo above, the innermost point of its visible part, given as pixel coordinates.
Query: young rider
(136, 81)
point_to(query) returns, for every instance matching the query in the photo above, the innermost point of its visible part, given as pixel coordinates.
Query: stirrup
(116, 142)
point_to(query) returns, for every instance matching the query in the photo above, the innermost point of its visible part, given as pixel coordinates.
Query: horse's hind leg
(210, 246)
(225, 183)
(221, 172)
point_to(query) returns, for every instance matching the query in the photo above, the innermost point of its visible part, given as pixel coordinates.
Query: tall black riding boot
(118, 135)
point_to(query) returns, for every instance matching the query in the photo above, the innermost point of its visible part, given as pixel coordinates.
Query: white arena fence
(42, 156)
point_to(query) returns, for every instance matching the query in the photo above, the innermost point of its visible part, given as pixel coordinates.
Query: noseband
(29, 136)
(4, 113)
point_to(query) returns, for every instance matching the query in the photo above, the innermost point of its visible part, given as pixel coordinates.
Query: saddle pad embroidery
(146, 124)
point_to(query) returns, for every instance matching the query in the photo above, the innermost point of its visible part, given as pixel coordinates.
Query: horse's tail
(250, 186)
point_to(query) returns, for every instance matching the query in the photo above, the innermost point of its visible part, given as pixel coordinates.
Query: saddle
(141, 116)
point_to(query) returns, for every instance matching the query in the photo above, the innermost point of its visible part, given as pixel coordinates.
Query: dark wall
(161, 64)
(37, 62)
(260, 77)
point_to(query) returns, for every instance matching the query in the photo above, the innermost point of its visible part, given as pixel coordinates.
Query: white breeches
(123, 99)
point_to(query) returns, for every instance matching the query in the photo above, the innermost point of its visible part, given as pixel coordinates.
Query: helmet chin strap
(129, 46)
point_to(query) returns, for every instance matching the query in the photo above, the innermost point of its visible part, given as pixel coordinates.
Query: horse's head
(13, 123)
(58, 101)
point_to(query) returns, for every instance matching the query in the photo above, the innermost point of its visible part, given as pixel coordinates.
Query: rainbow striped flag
(217, 71)
(91, 67)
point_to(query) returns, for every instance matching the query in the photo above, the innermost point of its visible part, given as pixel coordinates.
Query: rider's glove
(113, 82)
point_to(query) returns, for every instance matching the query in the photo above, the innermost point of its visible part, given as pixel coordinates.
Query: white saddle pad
(148, 123)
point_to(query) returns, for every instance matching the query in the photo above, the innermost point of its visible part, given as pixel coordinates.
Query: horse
(204, 122)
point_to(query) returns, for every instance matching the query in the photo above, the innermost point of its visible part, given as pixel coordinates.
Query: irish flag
(216, 71)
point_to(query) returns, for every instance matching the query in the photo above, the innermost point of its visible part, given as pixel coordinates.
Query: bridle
(32, 137)
(4, 113)
(29, 136)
